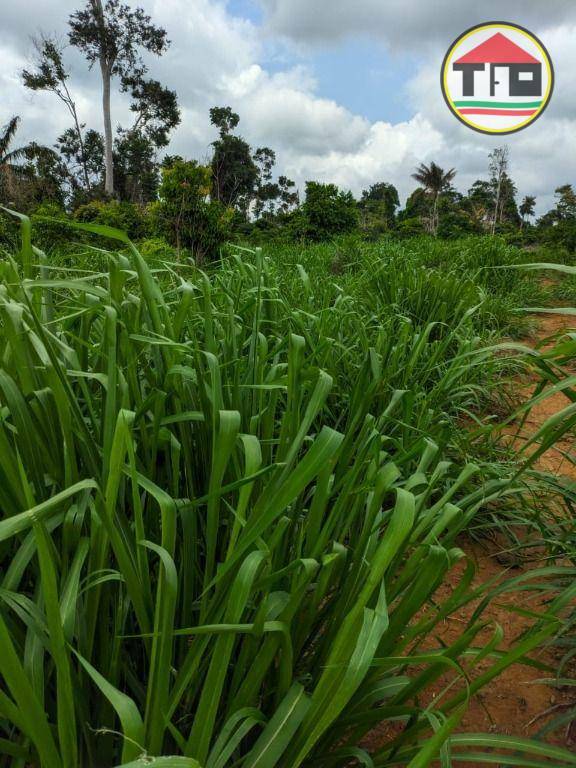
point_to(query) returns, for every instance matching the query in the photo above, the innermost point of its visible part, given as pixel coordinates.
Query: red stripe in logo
(479, 111)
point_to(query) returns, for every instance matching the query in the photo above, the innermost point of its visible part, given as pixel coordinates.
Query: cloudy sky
(344, 90)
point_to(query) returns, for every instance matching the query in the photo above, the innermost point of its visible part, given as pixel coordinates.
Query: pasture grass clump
(227, 506)
(472, 272)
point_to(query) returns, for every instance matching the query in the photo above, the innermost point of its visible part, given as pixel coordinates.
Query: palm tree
(435, 180)
(9, 157)
(527, 207)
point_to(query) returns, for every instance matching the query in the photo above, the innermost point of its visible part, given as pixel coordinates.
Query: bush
(8, 231)
(454, 224)
(50, 234)
(561, 235)
(186, 216)
(327, 212)
(131, 218)
(410, 227)
(156, 249)
(424, 295)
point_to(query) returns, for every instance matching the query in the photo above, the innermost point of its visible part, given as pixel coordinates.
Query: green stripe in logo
(499, 104)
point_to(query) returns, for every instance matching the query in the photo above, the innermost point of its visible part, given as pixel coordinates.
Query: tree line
(123, 175)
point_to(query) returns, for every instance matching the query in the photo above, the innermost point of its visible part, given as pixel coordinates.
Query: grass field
(229, 497)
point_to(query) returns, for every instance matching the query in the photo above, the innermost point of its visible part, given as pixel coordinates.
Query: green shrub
(186, 216)
(131, 218)
(9, 233)
(327, 211)
(562, 234)
(409, 227)
(425, 295)
(454, 224)
(156, 249)
(51, 235)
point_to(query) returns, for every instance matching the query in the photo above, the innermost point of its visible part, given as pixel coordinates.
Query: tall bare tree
(50, 74)
(113, 35)
(498, 168)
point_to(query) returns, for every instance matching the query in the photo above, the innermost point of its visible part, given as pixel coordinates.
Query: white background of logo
(453, 81)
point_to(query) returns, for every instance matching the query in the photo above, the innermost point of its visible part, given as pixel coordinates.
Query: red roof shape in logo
(498, 49)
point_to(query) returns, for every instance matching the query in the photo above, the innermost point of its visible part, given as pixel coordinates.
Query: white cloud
(294, 118)
(386, 151)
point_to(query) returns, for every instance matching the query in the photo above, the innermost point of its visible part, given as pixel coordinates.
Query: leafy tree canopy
(113, 33)
(328, 211)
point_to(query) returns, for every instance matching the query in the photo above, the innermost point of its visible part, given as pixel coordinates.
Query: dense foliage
(185, 214)
(327, 211)
(239, 198)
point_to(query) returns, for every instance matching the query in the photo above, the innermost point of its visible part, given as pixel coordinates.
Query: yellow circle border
(544, 53)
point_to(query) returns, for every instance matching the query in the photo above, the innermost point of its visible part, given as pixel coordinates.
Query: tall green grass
(476, 265)
(225, 517)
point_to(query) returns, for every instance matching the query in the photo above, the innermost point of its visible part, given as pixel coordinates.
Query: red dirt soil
(515, 703)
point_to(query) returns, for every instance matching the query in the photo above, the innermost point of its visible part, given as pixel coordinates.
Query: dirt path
(515, 703)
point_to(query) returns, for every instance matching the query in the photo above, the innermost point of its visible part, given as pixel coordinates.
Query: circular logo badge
(497, 77)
